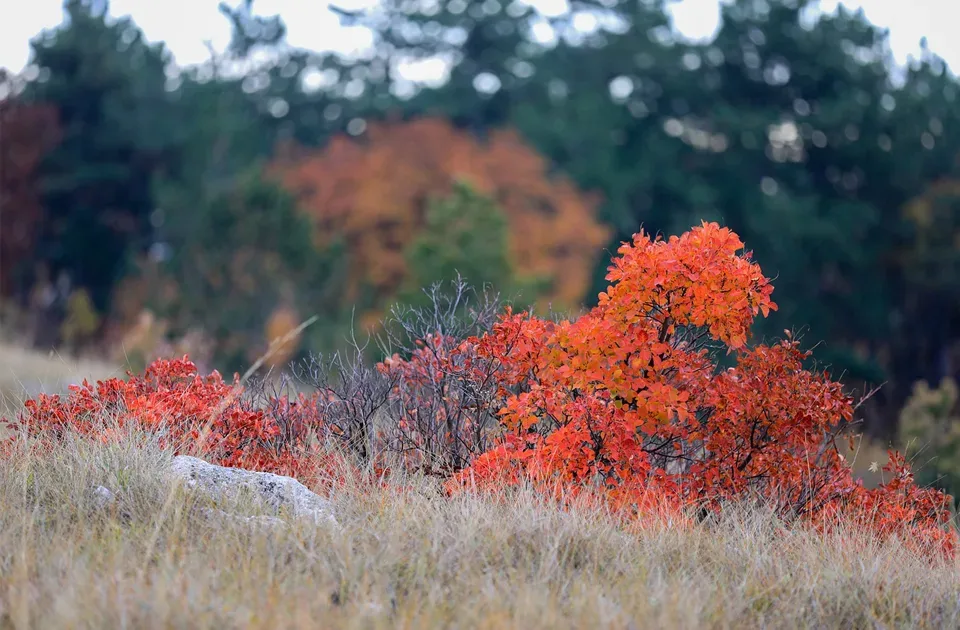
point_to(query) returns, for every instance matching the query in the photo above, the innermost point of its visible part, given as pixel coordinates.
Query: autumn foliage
(626, 404)
(628, 399)
(374, 193)
(201, 415)
(29, 132)
(283, 336)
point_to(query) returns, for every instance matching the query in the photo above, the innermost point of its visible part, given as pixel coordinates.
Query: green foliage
(109, 87)
(930, 430)
(245, 252)
(465, 235)
(82, 319)
(250, 30)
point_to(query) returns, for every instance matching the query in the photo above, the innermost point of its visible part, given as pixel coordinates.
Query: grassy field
(407, 557)
(25, 373)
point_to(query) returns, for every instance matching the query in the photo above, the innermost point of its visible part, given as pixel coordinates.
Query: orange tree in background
(27, 132)
(374, 193)
(282, 336)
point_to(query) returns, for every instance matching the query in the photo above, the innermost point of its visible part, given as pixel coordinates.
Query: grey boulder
(229, 488)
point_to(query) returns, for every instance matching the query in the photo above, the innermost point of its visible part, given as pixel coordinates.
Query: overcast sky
(185, 24)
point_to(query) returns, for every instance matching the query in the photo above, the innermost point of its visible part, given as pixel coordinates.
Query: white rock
(228, 485)
(103, 497)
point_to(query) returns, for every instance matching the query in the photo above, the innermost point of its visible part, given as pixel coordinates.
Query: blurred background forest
(150, 209)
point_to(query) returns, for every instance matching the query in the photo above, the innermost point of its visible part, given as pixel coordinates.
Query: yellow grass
(25, 373)
(413, 559)
(408, 557)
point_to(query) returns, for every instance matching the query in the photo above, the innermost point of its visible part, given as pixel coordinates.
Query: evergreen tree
(118, 129)
(465, 235)
(247, 252)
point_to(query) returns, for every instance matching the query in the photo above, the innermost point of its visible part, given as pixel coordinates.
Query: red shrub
(629, 398)
(202, 415)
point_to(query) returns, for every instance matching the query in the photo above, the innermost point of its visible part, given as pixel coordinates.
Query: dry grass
(413, 559)
(410, 558)
(25, 373)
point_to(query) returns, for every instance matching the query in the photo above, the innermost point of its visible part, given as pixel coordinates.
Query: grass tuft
(408, 557)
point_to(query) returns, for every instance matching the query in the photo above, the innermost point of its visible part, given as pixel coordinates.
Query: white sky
(185, 24)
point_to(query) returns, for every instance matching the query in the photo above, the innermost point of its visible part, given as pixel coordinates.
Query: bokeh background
(183, 177)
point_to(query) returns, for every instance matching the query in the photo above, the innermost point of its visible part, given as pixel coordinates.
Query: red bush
(629, 398)
(202, 415)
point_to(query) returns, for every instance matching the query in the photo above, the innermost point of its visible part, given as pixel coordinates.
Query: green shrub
(930, 431)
